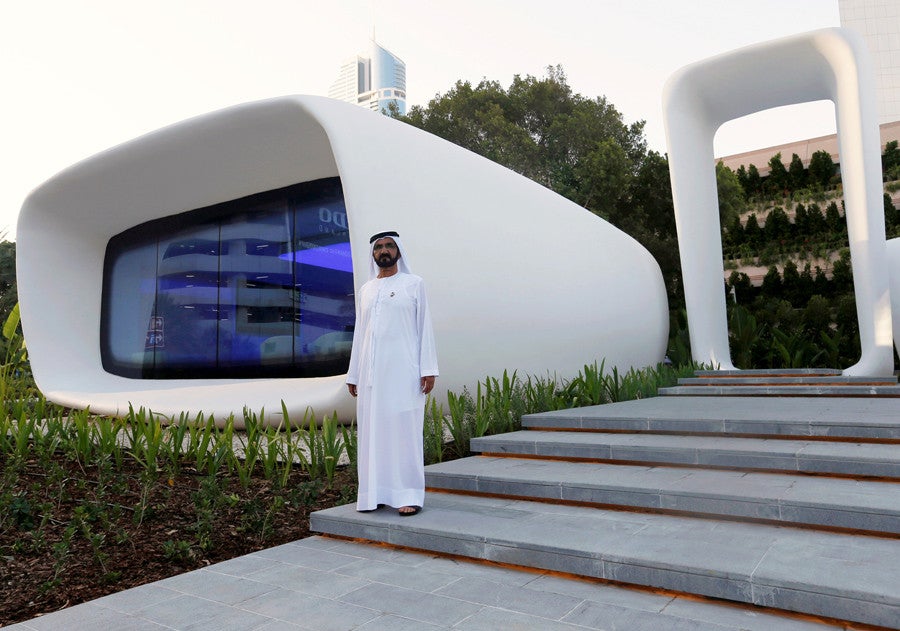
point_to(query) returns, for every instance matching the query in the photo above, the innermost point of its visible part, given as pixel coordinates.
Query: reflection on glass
(261, 286)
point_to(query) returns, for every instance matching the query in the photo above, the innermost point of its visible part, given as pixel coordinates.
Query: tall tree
(837, 223)
(778, 180)
(790, 284)
(816, 220)
(752, 231)
(537, 127)
(891, 214)
(731, 195)
(771, 285)
(890, 161)
(797, 173)
(778, 226)
(754, 181)
(577, 146)
(741, 174)
(821, 169)
(801, 221)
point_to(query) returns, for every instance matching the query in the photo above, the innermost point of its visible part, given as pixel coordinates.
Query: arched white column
(828, 64)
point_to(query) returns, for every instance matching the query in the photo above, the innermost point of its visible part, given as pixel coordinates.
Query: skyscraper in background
(373, 80)
(878, 21)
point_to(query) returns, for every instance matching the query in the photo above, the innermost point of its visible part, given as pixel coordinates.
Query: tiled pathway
(327, 584)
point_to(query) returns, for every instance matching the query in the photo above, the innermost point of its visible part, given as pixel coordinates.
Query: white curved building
(831, 64)
(212, 265)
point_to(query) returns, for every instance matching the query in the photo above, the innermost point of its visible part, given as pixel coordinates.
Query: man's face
(386, 252)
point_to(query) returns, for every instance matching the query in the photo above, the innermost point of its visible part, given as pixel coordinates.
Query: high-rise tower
(878, 21)
(372, 81)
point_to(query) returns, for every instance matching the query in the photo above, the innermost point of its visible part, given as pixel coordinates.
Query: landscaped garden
(91, 505)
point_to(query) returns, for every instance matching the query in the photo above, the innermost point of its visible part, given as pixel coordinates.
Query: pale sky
(84, 75)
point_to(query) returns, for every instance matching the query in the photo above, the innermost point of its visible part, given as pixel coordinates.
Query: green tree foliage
(652, 220)
(890, 161)
(741, 174)
(741, 287)
(835, 223)
(821, 169)
(603, 179)
(842, 273)
(790, 283)
(536, 127)
(754, 181)
(891, 215)
(744, 333)
(817, 223)
(731, 195)
(807, 285)
(579, 147)
(778, 180)
(801, 221)
(8, 288)
(797, 173)
(771, 285)
(752, 232)
(820, 282)
(734, 233)
(778, 226)
(817, 314)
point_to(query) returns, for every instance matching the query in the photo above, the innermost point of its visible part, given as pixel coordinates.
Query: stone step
(792, 499)
(783, 391)
(773, 372)
(836, 575)
(805, 456)
(827, 380)
(783, 382)
(862, 419)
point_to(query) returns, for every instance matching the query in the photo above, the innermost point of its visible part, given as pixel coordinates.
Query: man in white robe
(393, 365)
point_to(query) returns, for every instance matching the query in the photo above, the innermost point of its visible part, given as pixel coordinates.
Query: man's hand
(427, 384)
(352, 388)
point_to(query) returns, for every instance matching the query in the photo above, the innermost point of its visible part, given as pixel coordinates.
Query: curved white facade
(826, 64)
(518, 277)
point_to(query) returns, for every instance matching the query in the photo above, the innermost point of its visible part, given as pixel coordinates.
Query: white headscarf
(402, 263)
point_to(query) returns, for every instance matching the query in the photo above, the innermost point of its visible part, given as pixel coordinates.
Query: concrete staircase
(785, 502)
(790, 382)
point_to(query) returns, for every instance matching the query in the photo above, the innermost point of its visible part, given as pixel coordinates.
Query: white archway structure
(519, 278)
(828, 64)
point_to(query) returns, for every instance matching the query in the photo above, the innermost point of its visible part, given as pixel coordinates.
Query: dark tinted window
(260, 286)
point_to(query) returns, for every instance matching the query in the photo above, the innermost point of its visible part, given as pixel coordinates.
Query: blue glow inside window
(256, 287)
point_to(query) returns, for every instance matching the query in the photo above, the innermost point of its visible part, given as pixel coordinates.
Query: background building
(373, 81)
(878, 21)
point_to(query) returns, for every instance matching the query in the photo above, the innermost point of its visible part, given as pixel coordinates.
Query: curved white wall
(827, 64)
(518, 277)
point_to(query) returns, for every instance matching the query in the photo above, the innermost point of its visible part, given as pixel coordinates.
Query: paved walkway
(327, 584)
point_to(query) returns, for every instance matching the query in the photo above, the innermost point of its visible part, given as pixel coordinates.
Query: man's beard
(386, 260)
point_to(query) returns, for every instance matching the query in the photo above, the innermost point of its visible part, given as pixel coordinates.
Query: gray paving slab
(800, 499)
(546, 604)
(779, 372)
(863, 418)
(431, 608)
(309, 612)
(786, 380)
(473, 596)
(725, 390)
(390, 622)
(89, 617)
(742, 562)
(772, 454)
